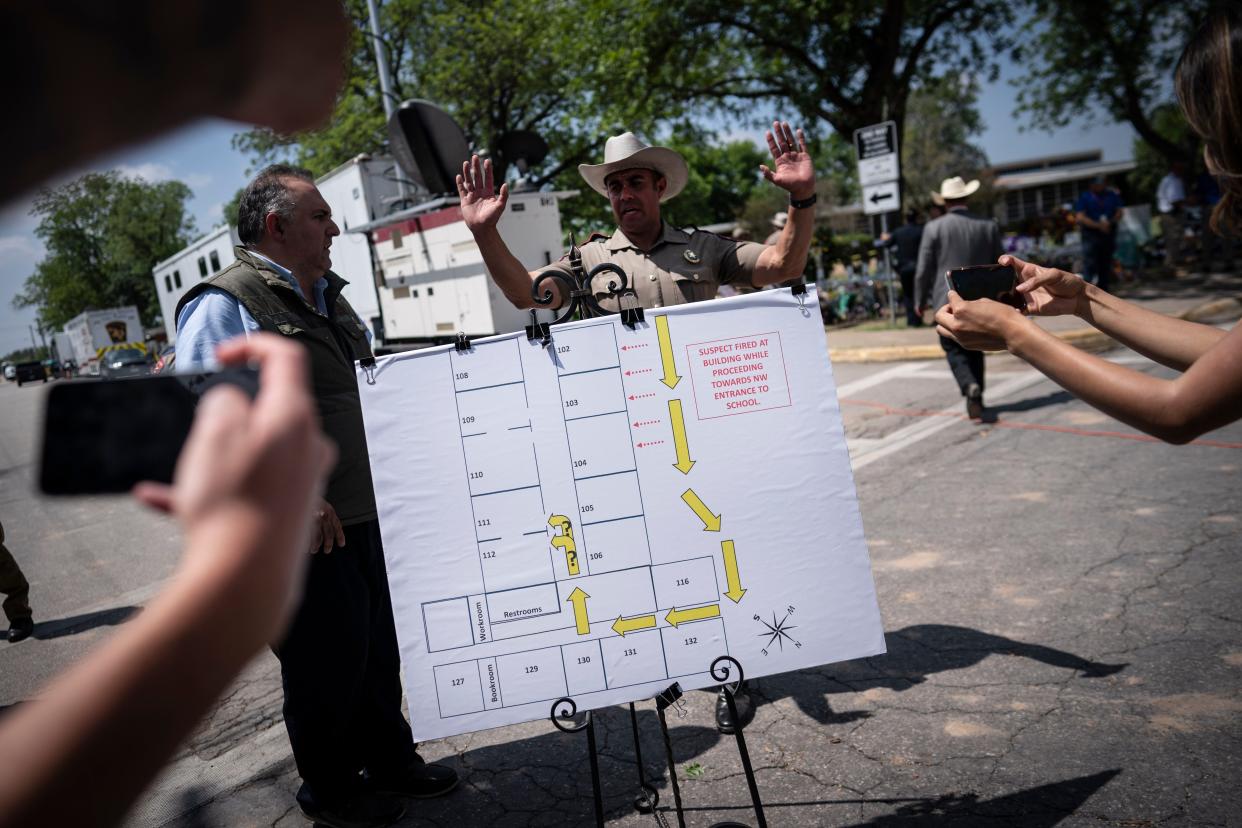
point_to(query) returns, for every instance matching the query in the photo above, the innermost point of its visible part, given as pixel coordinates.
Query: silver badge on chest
(691, 257)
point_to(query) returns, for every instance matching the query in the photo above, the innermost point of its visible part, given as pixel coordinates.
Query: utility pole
(385, 81)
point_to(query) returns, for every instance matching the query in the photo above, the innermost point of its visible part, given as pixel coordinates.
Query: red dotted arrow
(639, 371)
(641, 396)
(651, 443)
(641, 423)
(633, 347)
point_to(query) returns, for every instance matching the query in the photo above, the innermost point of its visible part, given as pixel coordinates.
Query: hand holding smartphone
(996, 282)
(105, 436)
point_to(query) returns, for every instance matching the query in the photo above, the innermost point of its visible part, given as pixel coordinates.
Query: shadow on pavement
(914, 653)
(1055, 398)
(1039, 807)
(1046, 805)
(75, 624)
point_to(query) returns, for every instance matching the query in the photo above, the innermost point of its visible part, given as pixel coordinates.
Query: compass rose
(778, 632)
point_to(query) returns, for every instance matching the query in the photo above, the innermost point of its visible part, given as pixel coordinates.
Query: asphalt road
(1061, 599)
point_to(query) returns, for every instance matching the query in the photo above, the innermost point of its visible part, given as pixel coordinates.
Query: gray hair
(267, 193)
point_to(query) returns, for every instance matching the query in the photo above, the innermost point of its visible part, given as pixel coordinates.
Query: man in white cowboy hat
(778, 222)
(666, 266)
(956, 239)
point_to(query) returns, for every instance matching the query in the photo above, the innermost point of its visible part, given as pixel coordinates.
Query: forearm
(513, 279)
(786, 259)
(1172, 410)
(84, 751)
(1172, 342)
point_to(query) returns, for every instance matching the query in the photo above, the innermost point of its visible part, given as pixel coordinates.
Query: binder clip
(799, 290)
(368, 368)
(631, 311)
(671, 697)
(461, 342)
(538, 330)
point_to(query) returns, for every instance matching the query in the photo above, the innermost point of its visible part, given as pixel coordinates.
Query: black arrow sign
(876, 198)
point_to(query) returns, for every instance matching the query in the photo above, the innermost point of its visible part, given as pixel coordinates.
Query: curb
(1086, 338)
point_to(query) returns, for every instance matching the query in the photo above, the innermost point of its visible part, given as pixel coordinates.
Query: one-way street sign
(876, 148)
(881, 198)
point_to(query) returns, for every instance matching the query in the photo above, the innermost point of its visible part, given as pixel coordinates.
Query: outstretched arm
(792, 170)
(1206, 397)
(244, 487)
(482, 205)
(1173, 342)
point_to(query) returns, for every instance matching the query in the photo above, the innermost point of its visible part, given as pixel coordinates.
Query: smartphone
(996, 282)
(103, 436)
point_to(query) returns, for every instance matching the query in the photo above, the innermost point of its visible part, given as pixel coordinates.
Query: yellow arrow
(684, 463)
(735, 592)
(566, 545)
(638, 622)
(666, 352)
(711, 523)
(561, 524)
(578, 599)
(676, 616)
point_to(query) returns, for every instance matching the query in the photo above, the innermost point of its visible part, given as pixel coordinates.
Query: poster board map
(602, 516)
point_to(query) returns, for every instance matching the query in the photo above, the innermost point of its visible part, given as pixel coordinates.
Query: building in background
(1037, 187)
(359, 191)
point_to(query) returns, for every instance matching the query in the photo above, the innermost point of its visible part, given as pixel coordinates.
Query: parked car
(10, 371)
(124, 362)
(30, 372)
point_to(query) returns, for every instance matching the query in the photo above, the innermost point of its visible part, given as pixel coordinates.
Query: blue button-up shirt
(215, 316)
(1096, 207)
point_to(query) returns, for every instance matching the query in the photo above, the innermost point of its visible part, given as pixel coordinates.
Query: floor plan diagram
(607, 514)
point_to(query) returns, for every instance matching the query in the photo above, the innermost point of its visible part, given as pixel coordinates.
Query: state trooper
(665, 265)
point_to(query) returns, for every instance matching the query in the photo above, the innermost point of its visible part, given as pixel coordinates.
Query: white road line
(904, 369)
(865, 451)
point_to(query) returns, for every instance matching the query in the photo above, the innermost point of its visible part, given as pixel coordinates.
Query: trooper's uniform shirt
(681, 267)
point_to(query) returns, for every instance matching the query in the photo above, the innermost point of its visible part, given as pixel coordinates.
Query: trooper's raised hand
(481, 205)
(792, 168)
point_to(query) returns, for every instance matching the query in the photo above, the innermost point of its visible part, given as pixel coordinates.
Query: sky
(201, 156)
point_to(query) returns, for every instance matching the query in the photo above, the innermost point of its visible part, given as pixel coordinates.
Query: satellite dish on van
(522, 149)
(428, 145)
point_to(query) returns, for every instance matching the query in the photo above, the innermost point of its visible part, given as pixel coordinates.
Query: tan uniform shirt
(681, 267)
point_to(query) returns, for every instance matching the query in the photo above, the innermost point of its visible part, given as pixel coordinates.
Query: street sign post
(879, 170)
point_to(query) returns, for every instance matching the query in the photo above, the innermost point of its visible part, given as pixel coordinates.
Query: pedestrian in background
(1208, 394)
(904, 242)
(1098, 213)
(956, 239)
(1170, 202)
(16, 590)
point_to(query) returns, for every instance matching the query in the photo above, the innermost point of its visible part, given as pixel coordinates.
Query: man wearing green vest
(339, 661)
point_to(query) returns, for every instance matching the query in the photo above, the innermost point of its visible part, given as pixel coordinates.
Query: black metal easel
(648, 798)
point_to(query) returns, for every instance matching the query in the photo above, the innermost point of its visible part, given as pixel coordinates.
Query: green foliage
(843, 63)
(1105, 59)
(231, 207)
(25, 355)
(104, 233)
(575, 72)
(1150, 164)
(941, 119)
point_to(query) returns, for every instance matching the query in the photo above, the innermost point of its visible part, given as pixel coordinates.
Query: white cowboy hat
(627, 152)
(779, 219)
(955, 188)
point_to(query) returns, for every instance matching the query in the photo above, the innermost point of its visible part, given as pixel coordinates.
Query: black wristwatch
(803, 203)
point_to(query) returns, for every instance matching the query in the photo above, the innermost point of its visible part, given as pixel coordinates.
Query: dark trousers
(913, 320)
(1097, 258)
(13, 585)
(966, 365)
(340, 670)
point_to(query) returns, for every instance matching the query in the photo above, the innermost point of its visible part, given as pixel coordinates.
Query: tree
(839, 63)
(575, 72)
(1111, 58)
(941, 120)
(104, 233)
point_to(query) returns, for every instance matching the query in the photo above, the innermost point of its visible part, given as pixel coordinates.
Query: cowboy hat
(627, 152)
(779, 220)
(955, 188)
